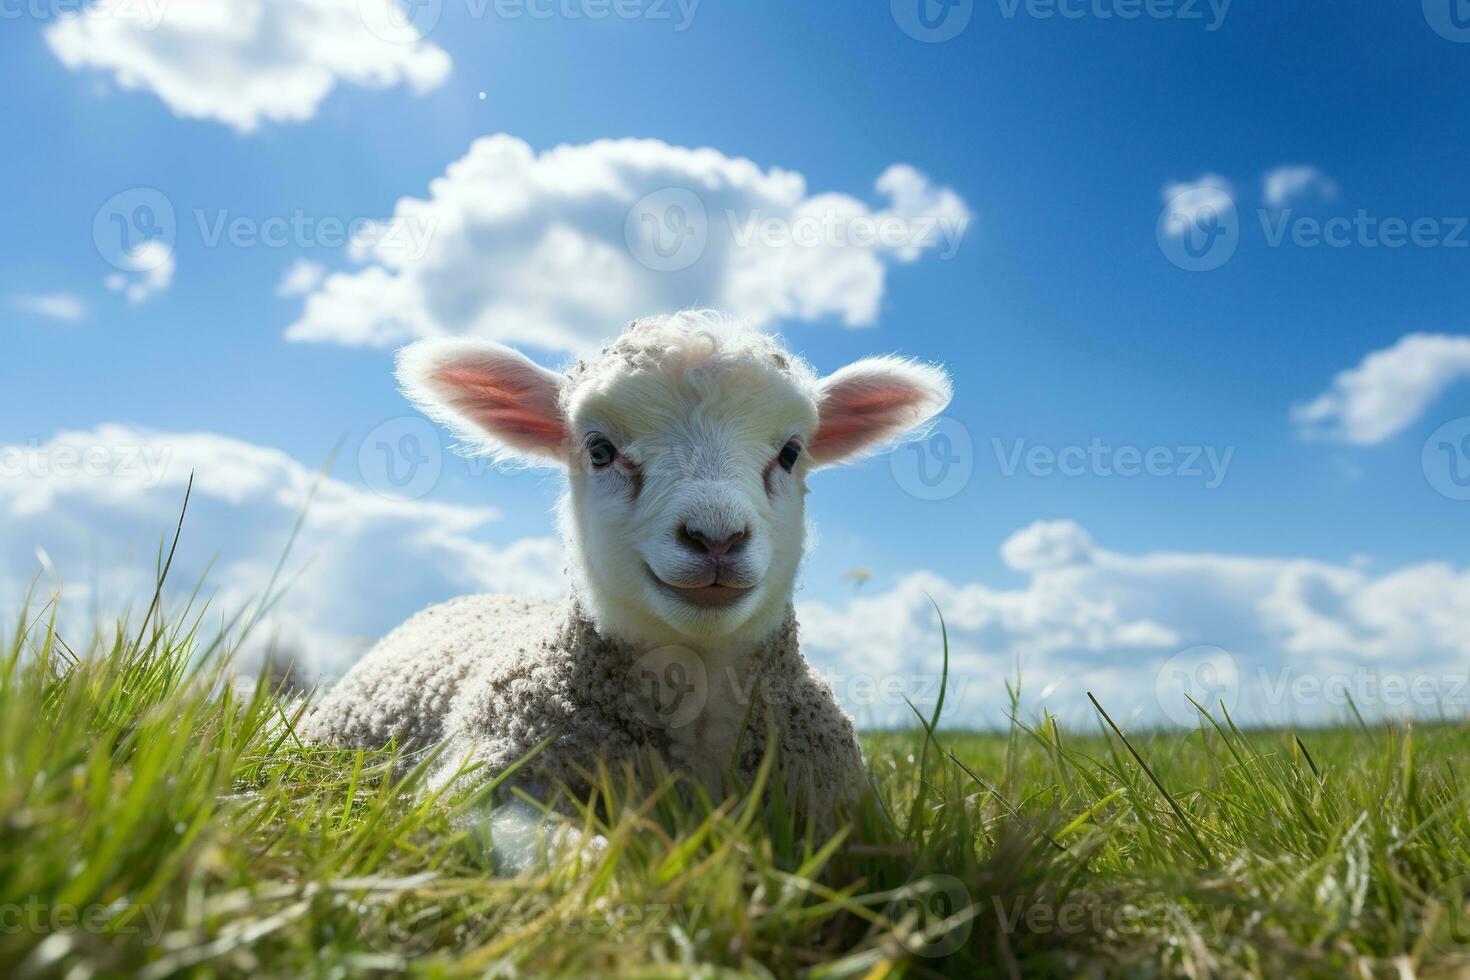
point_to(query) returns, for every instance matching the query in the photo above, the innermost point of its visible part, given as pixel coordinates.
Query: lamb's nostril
(699, 541)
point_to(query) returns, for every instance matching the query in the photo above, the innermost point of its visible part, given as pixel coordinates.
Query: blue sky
(1325, 547)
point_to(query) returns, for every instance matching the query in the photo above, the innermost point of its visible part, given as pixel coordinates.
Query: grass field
(157, 820)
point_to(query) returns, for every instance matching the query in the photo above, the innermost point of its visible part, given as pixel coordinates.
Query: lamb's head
(687, 443)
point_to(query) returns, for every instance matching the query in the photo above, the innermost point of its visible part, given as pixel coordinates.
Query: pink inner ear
(510, 402)
(858, 413)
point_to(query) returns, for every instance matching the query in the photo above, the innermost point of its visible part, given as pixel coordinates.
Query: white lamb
(686, 443)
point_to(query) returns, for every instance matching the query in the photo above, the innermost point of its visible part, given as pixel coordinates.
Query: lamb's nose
(700, 541)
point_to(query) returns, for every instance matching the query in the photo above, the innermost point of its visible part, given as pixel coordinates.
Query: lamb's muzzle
(686, 445)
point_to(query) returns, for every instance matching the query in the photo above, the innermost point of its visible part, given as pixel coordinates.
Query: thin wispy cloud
(51, 306)
(1286, 185)
(1192, 202)
(1387, 392)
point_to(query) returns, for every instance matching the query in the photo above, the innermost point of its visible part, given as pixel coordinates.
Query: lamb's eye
(789, 454)
(601, 452)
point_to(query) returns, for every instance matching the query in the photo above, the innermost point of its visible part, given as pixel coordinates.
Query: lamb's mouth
(716, 595)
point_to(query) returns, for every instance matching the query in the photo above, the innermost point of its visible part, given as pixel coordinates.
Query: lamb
(686, 445)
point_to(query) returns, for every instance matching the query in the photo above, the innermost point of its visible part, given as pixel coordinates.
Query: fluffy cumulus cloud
(51, 306)
(1284, 185)
(87, 509)
(1387, 392)
(1278, 639)
(559, 248)
(244, 61)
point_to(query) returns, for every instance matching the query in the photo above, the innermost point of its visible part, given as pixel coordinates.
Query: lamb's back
(406, 686)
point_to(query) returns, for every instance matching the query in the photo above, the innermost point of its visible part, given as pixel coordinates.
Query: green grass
(159, 819)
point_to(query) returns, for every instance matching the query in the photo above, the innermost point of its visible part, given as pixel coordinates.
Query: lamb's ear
(874, 402)
(489, 395)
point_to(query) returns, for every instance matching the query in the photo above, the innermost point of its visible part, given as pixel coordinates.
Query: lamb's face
(687, 493)
(687, 445)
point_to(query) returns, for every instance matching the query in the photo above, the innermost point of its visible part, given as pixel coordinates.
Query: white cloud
(1047, 544)
(96, 503)
(244, 61)
(1387, 392)
(52, 306)
(1088, 618)
(302, 277)
(150, 271)
(1191, 202)
(556, 248)
(1285, 184)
